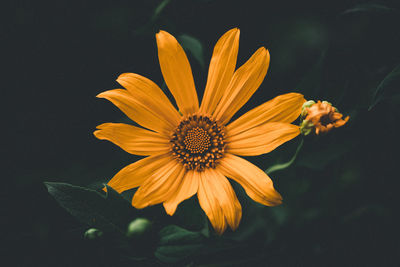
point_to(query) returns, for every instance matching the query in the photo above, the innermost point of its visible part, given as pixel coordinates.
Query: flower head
(195, 150)
(321, 117)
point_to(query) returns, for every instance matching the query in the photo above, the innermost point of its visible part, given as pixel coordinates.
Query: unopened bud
(93, 233)
(306, 127)
(306, 105)
(320, 117)
(138, 227)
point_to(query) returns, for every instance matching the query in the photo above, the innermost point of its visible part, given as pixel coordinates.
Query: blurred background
(340, 195)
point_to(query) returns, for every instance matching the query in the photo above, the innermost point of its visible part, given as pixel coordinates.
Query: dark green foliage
(193, 46)
(340, 191)
(177, 244)
(107, 211)
(389, 88)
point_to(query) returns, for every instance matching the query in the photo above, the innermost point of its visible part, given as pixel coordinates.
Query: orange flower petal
(133, 139)
(218, 200)
(177, 72)
(136, 110)
(283, 108)
(340, 123)
(149, 94)
(244, 83)
(255, 182)
(188, 186)
(261, 139)
(160, 185)
(220, 72)
(136, 173)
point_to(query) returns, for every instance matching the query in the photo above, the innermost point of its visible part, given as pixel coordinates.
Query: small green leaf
(159, 9)
(194, 46)
(389, 87)
(177, 243)
(107, 212)
(281, 166)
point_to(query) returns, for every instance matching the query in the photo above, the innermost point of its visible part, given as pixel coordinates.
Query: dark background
(340, 197)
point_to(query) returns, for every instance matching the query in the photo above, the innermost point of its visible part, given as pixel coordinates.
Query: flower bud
(320, 117)
(138, 227)
(93, 233)
(306, 127)
(306, 105)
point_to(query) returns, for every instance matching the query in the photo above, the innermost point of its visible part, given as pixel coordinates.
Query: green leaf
(176, 244)
(159, 10)
(368, 8)
(107, 212)
(194, 46)
(389, 87)
(148, 28)
(281, 166)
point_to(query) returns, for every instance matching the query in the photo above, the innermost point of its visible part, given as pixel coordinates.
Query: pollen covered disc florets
(198, 142)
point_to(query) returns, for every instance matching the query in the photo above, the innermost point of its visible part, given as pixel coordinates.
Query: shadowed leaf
(107, 212)
(177, 244)
(368, 8)
(159, 9)
(389, 87)
(194, 46)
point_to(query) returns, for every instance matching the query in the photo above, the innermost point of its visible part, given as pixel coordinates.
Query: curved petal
(219, 201)
(220, 72)
(244, 83)
(177, 72)
(137, 111)
(261, 139)
(188, 186)
(255, 182)
(136, 173)
(160, 185)
(150, 95)
(133, 139)
(283, 108)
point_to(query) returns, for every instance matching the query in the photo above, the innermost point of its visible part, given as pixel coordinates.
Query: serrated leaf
(107, 212)
(389, 87)
(177, 243)
(194, 46)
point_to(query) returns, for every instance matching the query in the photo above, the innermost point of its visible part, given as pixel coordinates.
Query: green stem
(281, 166)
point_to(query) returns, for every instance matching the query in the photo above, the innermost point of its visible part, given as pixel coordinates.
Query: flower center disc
(198, 142)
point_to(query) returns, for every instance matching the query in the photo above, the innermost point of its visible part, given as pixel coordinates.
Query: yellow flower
(194, 150)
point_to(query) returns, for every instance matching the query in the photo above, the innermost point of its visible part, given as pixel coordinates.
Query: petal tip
(235, 30)
(265, 52)
(162, 34)
(277, 199)
(123, 75)
(169, 209)
(101, 95)
(96, 133)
